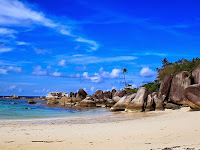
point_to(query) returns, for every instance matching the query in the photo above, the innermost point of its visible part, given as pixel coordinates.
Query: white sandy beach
(156, 130)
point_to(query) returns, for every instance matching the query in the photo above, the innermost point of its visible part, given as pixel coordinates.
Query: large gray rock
(150, 103)
(87, 103)
(165, 87)
(107, 95)
(180, 81)
(81, 94)
(120, 93)
(137, 104)
(56, 95)
(52, 101)
(196, 75)
(113, 92)
(159, 104)
(99, 97)
(192, 93)
(123, 102)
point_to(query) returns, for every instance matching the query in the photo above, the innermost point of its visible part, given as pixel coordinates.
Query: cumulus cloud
(62, 63)
(147, 72)
(38, 71)
(6, 69)
(115, 73)
(98, 77)
(15, 69)
(57, 74)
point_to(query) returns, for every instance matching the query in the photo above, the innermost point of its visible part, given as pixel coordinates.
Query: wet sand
(175, 129)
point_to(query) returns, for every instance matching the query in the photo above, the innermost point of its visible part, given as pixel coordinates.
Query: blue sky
(65, 45)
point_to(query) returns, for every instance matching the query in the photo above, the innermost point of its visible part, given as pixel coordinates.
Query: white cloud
(93, 45)
(15, 69)
(12, 87)
(96, 78)
(42, 91)
(2, 50)
(39, 71)
(62, 63)
(92, 89)
(115, 73)
(14, 12)
(74, 76)
(81, 59)
(57, 74)
(6, 31)
(3, 71)
(42, 51)
(21, 43)
(147, 72)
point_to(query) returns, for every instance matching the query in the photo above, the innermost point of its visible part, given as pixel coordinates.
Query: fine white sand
(177, 129)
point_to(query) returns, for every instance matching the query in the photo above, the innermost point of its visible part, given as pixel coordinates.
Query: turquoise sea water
(9, 110)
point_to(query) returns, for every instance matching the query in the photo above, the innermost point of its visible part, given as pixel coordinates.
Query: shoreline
(175, 129)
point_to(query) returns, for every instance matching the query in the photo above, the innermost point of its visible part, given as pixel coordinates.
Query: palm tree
(124, 70)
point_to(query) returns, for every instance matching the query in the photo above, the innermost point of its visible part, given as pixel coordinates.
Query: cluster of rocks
(82, 99)
(180, 89)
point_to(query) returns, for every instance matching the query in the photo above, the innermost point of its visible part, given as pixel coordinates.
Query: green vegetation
(130, 91)
(152, 86)
(180, 65)
(167, 68)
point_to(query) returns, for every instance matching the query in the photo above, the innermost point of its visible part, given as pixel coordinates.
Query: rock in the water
(192, 93)
(52, 102)
(15, 97)
(87, 103)
(196, 75)
(56, 95)
(165, 87)
(81, 94)
(180, 81)
(32, 102)
(172, 106)
(137, 104)
(123, 102)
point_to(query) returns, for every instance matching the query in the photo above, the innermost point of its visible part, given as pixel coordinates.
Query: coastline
(175, 129)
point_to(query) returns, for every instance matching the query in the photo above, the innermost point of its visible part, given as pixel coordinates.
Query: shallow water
(9, 110)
